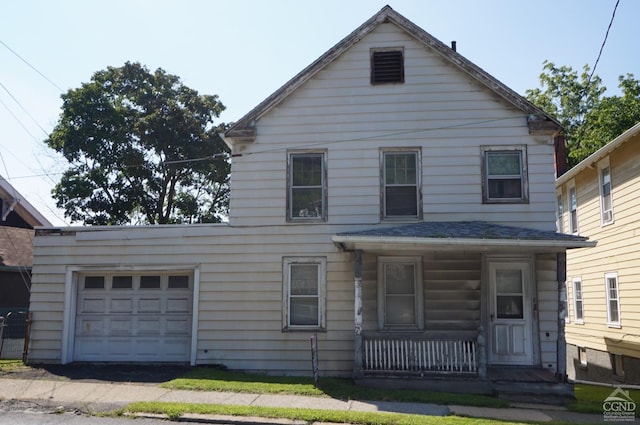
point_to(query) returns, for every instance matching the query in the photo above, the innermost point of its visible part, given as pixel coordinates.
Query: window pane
(303, 311)
(307, 170)
(178, 282)
(399, 279)
(503, 163)
(150, 282)
(400, 310)
(122, 282)
(505, 188)
(94, 282)
(306, 202)
(613, 311)
(401, 201)
(304, 279)
(400, 168)
(509, 307)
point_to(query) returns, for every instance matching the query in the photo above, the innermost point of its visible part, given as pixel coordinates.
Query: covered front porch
(457, 300)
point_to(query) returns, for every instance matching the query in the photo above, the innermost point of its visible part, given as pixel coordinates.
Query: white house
(392, 199)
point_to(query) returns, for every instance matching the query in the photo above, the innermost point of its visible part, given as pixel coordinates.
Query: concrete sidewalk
(96, 397)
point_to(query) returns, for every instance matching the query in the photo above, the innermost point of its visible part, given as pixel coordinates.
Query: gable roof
(599, 154)
(459, 234)
(16, 202)
(16, 247)
(539, 121)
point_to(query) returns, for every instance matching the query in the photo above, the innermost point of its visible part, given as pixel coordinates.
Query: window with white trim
(304, 288)
(504, 175)
(606, 204)
(401, 183)
(578, 306)
(613, 299)
(306, 186)
(564, 298)
(400, 293)
(573, 209)
(559, 212)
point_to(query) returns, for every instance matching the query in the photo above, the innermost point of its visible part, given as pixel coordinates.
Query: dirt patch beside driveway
(102, 372)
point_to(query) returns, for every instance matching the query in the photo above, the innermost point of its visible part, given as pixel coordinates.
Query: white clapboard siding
(617, 251)
(438, 109)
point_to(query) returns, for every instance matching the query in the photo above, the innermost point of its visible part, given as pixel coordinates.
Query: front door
(510, 314)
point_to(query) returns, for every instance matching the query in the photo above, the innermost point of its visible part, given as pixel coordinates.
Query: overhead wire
(606, 36)
(31, 66)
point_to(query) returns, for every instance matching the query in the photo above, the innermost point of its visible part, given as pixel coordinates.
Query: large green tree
(590, 118)
(142, 148)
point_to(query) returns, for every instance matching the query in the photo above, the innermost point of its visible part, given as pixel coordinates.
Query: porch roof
(479, 235)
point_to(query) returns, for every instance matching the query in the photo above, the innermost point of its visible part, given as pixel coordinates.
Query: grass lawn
(9, 364)
(589, 398)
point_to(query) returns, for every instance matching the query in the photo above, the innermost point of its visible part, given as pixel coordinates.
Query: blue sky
(243, 50)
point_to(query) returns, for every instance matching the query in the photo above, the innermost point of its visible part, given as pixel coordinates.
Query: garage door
(142, 317)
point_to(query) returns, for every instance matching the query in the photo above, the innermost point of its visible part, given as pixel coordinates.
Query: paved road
(48, 418)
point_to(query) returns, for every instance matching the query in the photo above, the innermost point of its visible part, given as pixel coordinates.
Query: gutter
(353, 240)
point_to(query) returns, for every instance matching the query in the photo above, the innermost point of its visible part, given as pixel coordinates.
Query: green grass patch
(211, 379)
(176, 410)
(589, 398)
(9, 364)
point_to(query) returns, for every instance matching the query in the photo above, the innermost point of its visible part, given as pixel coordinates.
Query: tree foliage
(590, 118)
(135, 143)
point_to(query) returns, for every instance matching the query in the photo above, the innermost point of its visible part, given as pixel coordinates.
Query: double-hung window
(578, 307)
(573, 209)
(307, 186)
(559, 213)
(613, 299)
(606, 204)
(504, 174)
(304, 288)
(400, 295)
(401, 183)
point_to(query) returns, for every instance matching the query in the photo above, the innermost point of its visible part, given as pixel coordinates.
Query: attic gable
(539, 122)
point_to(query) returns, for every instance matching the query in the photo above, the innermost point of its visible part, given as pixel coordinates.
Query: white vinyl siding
(606, 201)
(400, 293)
(304, 293)
(400, 184)
(613, 299)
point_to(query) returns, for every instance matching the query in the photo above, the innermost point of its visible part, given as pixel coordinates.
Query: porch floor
(518, 384)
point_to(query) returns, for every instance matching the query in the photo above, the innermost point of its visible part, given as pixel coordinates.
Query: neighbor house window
(578, 308)
(401, 184)
(564, 297)
(606, 205)
(504, 173)
(387, 66)
(559, 213)
(400, 296)
(304, 287)
(573, 209)
(613, 299)
(307, 186)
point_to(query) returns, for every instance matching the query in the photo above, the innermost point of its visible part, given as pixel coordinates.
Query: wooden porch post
(561, 371)
(482, 358)
(357, 360)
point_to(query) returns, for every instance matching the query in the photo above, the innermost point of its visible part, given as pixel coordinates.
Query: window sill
(614, 325)
(505, 201)
(578, 322)
(304, 329)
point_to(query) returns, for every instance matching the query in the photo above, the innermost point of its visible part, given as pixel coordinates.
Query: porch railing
(414, 355)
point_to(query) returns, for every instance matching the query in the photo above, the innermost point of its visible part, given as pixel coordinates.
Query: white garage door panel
(133, 325)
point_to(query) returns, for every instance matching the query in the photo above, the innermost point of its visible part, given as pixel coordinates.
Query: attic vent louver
(387, 67)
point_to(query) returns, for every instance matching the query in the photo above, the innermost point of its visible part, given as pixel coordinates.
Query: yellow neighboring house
(599, 198)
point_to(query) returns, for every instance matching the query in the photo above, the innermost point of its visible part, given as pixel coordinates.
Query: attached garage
(133, 317)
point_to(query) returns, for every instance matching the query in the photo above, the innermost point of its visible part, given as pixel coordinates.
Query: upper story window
(559, 213)
(573, 209)
(504, 175)
(387, 66)
(307, 186)
(613, 299)
(606, 204)
(304, 290)
(401, 184)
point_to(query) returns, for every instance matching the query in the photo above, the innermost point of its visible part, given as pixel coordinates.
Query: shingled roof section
(16, 247)
(475, 230)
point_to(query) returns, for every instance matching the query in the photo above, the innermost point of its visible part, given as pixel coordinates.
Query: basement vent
(387, 67)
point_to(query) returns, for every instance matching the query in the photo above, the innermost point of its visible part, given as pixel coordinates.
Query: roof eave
(351, 242)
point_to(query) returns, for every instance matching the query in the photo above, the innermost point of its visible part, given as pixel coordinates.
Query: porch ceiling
(457, 235)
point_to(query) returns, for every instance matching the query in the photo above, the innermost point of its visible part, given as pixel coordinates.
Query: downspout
(561, 371)
(357, 359)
